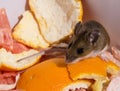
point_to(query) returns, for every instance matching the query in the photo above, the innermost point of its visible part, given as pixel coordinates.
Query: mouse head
(88, 38)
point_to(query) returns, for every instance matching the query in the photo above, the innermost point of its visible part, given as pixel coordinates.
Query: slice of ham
(108, 56)
(18, 47)
(114, 84)
(116, 53)
(4, 23)
(7, 77)
(8, 80)
(6, 40)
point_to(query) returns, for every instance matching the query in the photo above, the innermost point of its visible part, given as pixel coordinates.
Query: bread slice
(27, 32)
(56, 18)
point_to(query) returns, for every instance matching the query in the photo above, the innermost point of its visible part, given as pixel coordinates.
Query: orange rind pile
(55, 75)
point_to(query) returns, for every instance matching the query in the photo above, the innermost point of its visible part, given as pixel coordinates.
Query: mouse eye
(80, 50)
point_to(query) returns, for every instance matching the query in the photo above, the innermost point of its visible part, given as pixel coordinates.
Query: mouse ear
(77, 28)
(93, 36)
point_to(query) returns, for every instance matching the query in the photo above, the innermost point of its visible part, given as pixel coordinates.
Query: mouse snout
(70, 58)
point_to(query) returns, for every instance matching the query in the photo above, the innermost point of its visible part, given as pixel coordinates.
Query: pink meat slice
(6, 40)
(7, 77)
(114, 85)
(8, 80)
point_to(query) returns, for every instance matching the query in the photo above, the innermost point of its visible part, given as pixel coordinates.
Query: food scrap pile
(40, 28)
(8, 79)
